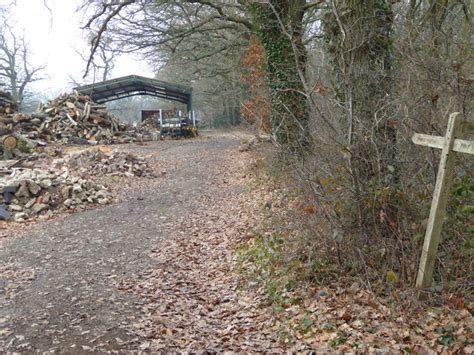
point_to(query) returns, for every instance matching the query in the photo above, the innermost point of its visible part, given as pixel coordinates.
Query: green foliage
(460, 212)
(447, 337)
(24, 146)
(339, 340)
(262, 261)
(458, 233)
(392, 277)
(461, 202)
(307, 322)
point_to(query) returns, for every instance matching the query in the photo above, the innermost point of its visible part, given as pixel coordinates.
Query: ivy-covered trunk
(279, 25)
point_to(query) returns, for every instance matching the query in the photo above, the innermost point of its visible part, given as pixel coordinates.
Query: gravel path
(56, 289)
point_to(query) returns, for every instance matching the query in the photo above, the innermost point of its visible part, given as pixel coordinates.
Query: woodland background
(341, 86)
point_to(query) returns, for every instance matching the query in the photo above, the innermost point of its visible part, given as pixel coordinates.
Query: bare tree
(16, 70)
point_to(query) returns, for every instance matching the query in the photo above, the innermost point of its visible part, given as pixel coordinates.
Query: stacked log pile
(40, 192)
(172, 113)
(66, 183)
(74, 118)
(7, 109)
(71, 119)
(7, 104)
(98, 163)
(150, 123)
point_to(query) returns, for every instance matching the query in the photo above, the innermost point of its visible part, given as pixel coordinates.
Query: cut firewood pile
(99, 163)
(56, 182)
(28, 193)
(17, 146)
(75, 118)
(71, 119)
(174, 112)
(150, 123)
(7, 104)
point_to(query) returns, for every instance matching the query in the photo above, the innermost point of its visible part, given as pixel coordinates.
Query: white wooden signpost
(449, 144)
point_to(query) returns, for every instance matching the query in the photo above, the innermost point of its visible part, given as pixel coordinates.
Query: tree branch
(103, 27)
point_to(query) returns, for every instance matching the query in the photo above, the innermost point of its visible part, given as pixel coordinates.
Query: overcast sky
(54, 38)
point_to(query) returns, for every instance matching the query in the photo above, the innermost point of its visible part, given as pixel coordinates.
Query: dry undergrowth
(320, 305)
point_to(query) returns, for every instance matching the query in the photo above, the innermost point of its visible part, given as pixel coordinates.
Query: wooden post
(438, 206)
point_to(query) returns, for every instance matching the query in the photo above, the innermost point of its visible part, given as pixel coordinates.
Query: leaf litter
(192, 300)
(192, 295)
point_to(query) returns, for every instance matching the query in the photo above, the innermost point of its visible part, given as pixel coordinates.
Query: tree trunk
(279, 24)
(359, 38)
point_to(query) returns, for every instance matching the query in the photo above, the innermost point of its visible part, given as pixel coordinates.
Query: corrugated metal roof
(133, 85)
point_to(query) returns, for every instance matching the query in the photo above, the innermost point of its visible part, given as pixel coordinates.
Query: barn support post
(189, 104)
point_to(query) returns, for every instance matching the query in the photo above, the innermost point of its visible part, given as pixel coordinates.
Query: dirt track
(61, 281)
